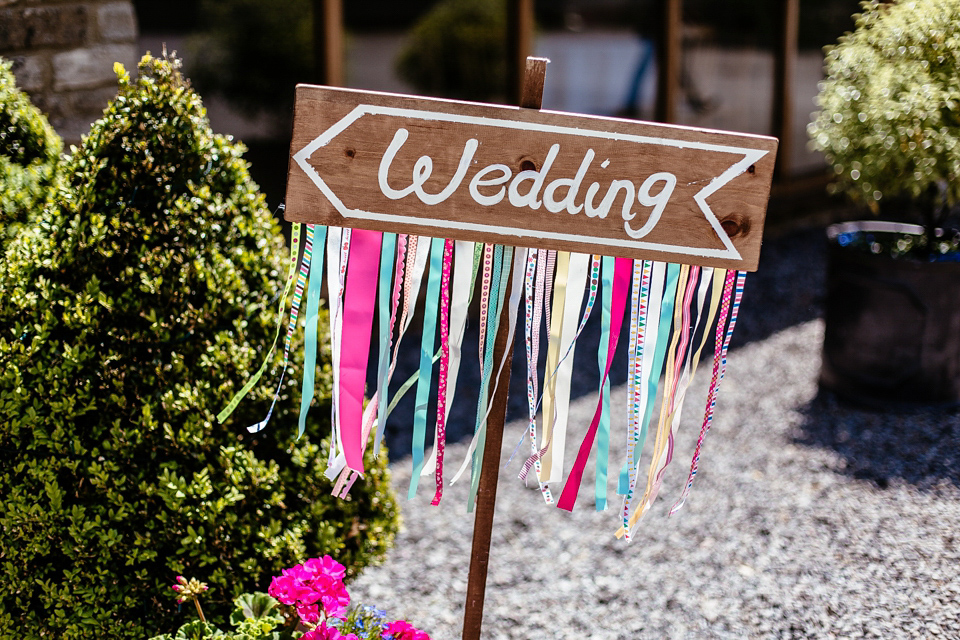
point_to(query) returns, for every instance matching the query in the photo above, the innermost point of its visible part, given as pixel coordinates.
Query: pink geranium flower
(316, 583)
(403, 630)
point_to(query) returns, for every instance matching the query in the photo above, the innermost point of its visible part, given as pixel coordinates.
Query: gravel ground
(809, 519)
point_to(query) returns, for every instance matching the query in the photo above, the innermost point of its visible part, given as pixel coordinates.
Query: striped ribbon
(719, 370)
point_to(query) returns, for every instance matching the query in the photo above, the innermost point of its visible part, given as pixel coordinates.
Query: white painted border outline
(750, 156)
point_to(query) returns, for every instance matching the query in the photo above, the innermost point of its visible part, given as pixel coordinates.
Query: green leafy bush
(29, 154)
(129, 315)
(458, 50)
(888, 119)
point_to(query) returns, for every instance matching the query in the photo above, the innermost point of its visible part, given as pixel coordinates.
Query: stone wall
(63, 53)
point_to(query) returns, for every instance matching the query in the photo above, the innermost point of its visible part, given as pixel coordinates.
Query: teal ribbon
(387, 255)
(603, 428)
(425, 378)
(310, 333)
(502, 260)
(663, 338)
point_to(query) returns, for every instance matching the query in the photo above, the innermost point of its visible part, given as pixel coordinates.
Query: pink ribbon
(359, 302)
(444, 366)
(621, 287)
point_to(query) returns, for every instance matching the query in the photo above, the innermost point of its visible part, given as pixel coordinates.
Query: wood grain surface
(526, 177)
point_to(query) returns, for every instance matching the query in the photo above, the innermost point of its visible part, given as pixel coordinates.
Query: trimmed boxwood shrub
(29, 153)
(129, 315)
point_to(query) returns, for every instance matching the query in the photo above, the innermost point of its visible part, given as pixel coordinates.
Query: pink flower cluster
(315, 588)
(403, 630)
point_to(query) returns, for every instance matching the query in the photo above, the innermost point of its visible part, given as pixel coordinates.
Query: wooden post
(784, 73)
(532, 95)
(669, 59)
(519, 46)
(328, 42)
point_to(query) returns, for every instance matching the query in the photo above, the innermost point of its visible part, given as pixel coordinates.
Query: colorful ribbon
(294, 253)
(307, 388)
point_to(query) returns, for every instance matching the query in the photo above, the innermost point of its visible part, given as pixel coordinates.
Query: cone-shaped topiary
(29, 154)
(129, 315)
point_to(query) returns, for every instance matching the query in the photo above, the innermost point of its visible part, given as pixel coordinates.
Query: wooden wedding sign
(529, 178)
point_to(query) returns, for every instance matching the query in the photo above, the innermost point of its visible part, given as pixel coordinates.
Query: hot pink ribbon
(359, 302)
(621, 287)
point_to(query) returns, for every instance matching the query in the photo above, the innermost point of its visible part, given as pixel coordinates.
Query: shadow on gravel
(786, 290)
(920, 447)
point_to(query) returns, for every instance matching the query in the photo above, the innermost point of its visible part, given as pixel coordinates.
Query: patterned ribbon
(291, 325)
(489, 346)
(310, 333)
(534, 460)
(534, 286)
(719, 369)
(291, 274)
(441, 431)
(490, 253)
(686, 286)
(663, 288)
(553, 361)
(464, 280)
(640, 297)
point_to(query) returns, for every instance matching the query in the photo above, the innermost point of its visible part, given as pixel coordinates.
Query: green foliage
(458, 50)
(29, 154)
(254, 52)
(131, 313)
(255, 616)
(888, 119)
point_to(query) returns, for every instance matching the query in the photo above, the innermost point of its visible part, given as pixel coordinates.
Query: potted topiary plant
(889, 124)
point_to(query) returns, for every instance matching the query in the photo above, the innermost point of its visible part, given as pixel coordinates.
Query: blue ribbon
(663, 338)
(603, 428)
(387, 255)
(427, 342)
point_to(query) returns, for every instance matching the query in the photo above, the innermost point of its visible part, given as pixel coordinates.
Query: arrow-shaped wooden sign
(528, 178)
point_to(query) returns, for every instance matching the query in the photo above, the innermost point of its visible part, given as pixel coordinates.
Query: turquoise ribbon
(502, 259)
(603, 429)
(425, 378)
(310, 333)
(663, 338)
(387, 255)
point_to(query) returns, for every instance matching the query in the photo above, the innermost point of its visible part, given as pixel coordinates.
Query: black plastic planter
(892, 325)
